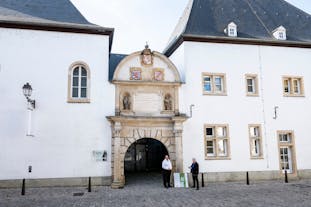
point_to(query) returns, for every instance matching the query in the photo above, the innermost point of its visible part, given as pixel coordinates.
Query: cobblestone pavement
(142, 191)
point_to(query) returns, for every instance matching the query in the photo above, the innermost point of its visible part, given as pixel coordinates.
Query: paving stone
(142, 190)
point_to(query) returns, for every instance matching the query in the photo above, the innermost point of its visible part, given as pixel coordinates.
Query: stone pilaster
(117, 175)
(178, 129)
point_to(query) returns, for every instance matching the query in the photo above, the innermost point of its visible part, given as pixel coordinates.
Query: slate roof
(41, 10)
(51, 15)
(255, 19)
(114, 60)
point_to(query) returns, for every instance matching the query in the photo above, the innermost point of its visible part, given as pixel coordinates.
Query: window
(287, 158)
(214, 84)
(279, 33)
(78, 80)
(216, 141)
(293, 86)
(255, 139)
(231, 30)
(251, 85)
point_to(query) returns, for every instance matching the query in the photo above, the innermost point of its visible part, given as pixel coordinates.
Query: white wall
(65, 133)
(238, 110)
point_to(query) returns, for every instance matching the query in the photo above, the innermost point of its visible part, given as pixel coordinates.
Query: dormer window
(280, 33)
(231, 30)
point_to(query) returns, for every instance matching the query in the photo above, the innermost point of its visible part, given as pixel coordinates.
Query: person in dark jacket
(195, 172)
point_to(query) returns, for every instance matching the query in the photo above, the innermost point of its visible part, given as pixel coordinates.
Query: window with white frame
(251, 85)
(279, 33)
(255, 139)
(293, 86)
(216, 141)
(231, 30)
(214, 84)
(79, 83)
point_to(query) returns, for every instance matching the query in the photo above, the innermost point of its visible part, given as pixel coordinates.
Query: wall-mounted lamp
(275, 112)
(27, 90)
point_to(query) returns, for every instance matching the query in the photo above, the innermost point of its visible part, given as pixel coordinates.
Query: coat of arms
(135, 74)
(146, 56)
(158, 74)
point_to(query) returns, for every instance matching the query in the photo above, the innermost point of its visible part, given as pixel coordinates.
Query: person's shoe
(192, 186)
(197, 188)
(169, 186)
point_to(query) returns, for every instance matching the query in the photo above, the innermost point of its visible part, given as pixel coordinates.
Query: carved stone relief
(168, 103)
(126, 102)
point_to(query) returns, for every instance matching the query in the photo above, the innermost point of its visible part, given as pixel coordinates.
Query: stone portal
(147, 106)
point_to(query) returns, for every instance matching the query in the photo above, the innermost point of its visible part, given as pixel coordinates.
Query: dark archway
(144, 155)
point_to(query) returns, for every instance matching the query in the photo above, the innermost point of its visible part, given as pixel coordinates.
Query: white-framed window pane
(296, 86)
(284, 158)
(231, 32)
(254, 131)
(207, 84)
(222, 147)
(210, 147)
(83, 81)
(218, 83)
(221, 131)
(209, 131)
(83, 93)
(75, 81)
(255, 147)
(75, 92)
(285, 138)
(286, 86)
(76, 71)
(251, 85)
(83, 72)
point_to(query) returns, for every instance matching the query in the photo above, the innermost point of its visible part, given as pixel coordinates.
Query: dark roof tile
(114, 60)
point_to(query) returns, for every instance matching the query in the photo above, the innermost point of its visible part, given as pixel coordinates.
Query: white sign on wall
(100, 155)
(180, 180)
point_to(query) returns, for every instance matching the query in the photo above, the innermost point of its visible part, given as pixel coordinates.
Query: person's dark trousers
(164, 175)
(166, 178)
(195, 180)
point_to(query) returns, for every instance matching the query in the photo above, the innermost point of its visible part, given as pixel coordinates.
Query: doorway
(144, 155)
(287, 156)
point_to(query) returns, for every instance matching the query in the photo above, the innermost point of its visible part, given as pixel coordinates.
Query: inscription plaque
(147, 103)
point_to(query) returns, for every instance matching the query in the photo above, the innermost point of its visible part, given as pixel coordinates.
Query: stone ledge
(214, 177)
(56, 182)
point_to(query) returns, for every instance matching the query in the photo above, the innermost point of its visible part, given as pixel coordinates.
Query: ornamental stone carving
(126, 102)
(168, 102)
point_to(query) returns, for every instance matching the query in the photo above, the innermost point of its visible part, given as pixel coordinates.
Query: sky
(139, 21)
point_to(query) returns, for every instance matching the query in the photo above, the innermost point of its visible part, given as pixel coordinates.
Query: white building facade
(233, 93)
(249, 90)
(65, 129)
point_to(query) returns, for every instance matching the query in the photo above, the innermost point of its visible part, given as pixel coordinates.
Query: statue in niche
(167, 102)
(126, 102)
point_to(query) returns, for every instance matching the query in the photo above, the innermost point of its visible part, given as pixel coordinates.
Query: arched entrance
(144, 155)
